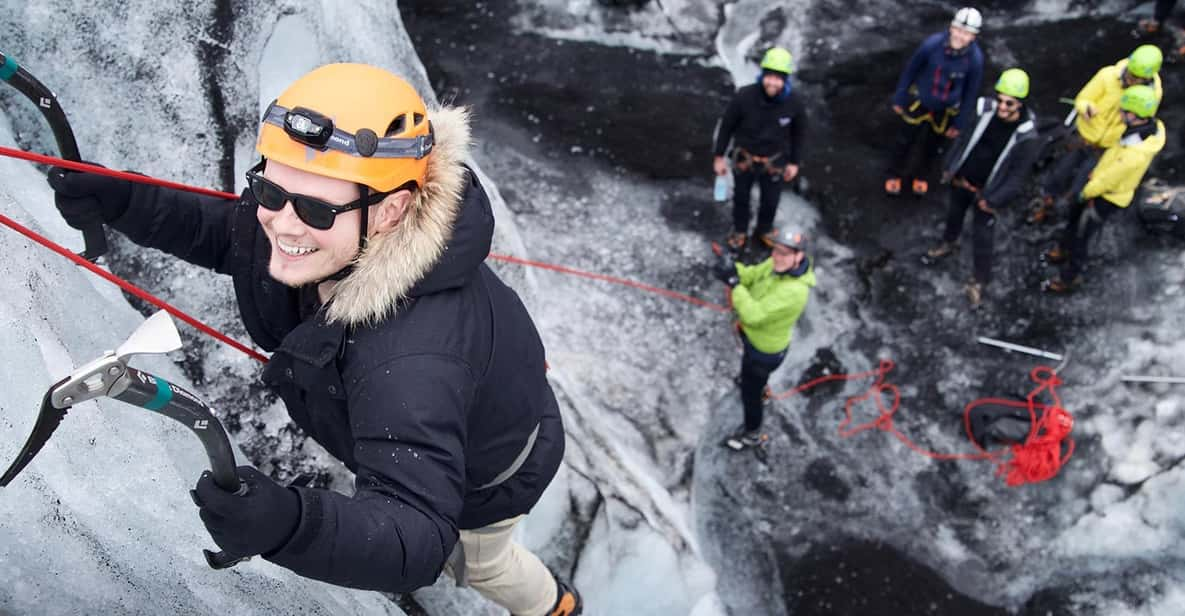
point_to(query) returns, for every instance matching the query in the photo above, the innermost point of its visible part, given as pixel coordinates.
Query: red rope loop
(1038, 459)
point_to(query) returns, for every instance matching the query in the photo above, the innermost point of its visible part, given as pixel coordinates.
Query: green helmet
(778, 60)
(1145, 61)
(1013, 82)
(1140, 100)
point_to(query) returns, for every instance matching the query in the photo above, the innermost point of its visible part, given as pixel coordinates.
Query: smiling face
(786, 258)
(301, 254)
(772, 83)
(960, 37)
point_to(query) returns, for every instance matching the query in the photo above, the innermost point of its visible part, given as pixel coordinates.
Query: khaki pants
(504, 571)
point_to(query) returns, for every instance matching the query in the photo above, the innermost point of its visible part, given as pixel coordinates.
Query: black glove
(726, 270)
(259, 522)
(85, 199)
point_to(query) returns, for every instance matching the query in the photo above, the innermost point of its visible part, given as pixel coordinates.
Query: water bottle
(720, 190)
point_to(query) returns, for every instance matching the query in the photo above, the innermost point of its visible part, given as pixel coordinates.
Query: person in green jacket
(768, 298)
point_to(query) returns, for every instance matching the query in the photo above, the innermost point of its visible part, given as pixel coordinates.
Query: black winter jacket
(762, 126)
(1011, 168)
(425, 386)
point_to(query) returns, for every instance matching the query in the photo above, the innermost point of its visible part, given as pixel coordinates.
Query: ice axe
(110, 376)
(51, 110)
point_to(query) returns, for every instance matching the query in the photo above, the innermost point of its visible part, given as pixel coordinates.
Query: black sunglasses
(314, 212)
(1007, 102)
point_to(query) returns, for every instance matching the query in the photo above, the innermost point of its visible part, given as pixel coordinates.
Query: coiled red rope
(1037, 459)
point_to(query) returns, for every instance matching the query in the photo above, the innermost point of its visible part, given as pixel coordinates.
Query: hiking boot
(920, 187)
(765, 239)
(1057, 285)
(736, 241)
(941, 250)
(746, 438)
(974, 292)
(1149, 26)
(568, 602)
(1040, 210)
(1056, 255)
(893, 187)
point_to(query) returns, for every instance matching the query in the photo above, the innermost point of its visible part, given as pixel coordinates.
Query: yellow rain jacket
(1122, 167)
(1103, 92)
(768, 304)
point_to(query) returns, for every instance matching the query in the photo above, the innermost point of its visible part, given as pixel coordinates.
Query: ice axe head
(157, 334)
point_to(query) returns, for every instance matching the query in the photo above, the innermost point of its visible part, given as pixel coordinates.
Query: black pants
(1079, 232)
(1071, 172)
(770, 186)
(755, 370)
(904, 164)
(982, 227)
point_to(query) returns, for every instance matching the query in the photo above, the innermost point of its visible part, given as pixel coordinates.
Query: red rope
(1037, 459)
(146, 179)
(130, 288)
(621, 281)
(123, 175)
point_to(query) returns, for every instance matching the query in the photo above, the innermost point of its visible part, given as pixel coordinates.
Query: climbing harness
(743, 160)
(937, 124)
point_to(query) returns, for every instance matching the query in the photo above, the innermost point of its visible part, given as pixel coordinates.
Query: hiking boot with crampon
(567, 601)
(1057, 285)
(893, 187)
(736, 241)
(1056, 255)
(941, 250)
(1040, 210)
(746, 438)
(920, 187)
(974, 292)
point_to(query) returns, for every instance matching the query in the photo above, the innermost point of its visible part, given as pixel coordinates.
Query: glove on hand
(259, 522)
(85, 199)
(726, 270)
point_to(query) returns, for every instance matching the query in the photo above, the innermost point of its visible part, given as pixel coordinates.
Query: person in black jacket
(357, 257)
(767, 120)
(987, 167)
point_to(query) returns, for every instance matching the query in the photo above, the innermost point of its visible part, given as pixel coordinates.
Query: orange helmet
(352, 122)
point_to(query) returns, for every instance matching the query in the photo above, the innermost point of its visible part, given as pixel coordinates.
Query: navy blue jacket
(424, 407)
(945, 78)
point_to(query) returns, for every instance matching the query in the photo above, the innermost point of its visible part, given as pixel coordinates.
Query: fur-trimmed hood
(443, 238)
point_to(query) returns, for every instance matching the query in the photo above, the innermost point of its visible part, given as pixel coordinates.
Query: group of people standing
(991, 146)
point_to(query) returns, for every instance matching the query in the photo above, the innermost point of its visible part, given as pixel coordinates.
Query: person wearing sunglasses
(1098, 126)
(986, 167)
(357, 254)
(1112, 185)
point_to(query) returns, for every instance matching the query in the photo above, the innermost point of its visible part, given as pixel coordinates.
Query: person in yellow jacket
(1098, 125)
(768, 298)
(1112, 184)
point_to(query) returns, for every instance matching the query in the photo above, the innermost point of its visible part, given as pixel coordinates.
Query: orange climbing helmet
(352, 122)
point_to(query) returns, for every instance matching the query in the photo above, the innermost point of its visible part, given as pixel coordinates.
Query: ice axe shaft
(1172, 380)
(1019, 348)
(47, 104)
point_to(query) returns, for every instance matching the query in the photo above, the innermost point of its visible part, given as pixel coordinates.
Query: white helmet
(968, 19)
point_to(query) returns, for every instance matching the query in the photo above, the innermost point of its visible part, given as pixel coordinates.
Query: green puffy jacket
(769, 304)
